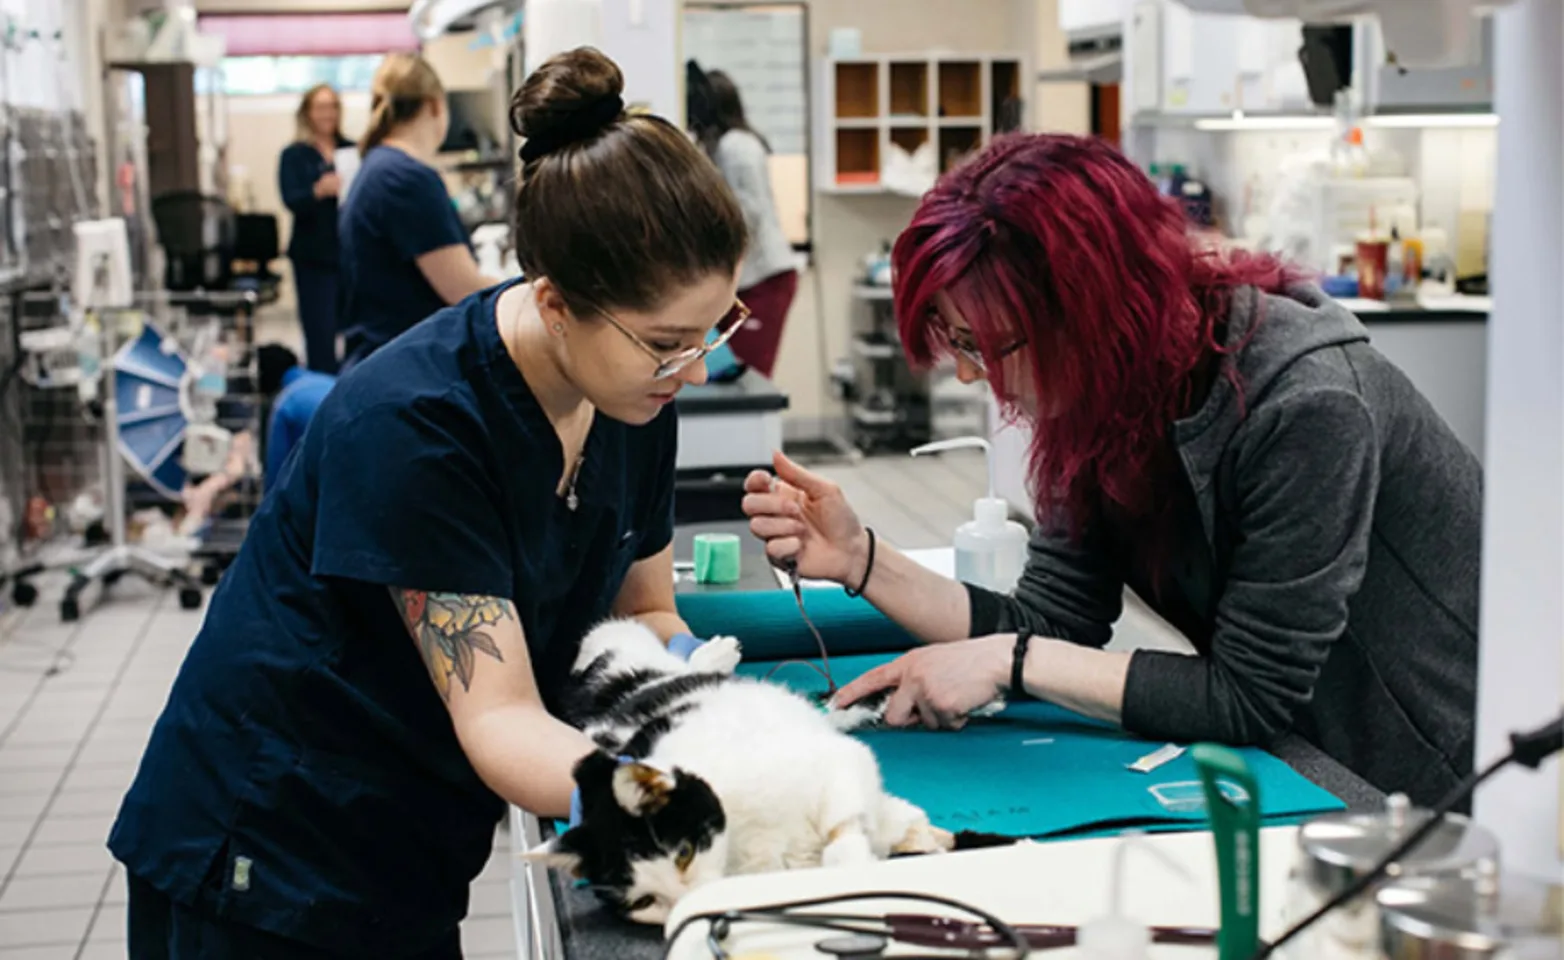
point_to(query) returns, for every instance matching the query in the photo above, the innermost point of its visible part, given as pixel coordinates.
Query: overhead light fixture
(1426, 120)
(436, 18)
(1241, 121)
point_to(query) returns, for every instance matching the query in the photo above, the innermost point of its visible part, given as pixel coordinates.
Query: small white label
(241, 874)
(1152, 761)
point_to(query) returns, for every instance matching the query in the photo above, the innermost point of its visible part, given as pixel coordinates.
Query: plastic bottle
(1117, 936)
(1395, 263)
(990, 548)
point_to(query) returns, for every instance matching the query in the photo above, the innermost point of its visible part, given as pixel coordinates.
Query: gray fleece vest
(1328, 570)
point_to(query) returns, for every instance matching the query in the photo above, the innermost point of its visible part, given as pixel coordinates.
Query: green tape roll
(717, 558)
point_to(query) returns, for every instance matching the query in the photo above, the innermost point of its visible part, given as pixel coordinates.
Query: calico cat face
(646, 837)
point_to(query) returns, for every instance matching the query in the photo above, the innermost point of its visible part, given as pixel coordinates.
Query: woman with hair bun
(1209, 430)
(405, 253)
(381, 670)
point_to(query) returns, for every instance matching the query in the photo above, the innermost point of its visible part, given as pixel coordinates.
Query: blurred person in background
(294, 394)
(405, 253)
(769, 279)
(307, 178)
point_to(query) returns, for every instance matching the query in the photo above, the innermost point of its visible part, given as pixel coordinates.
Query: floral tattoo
(450, 629)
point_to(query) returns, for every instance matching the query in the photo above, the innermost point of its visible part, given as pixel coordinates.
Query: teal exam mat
(1040, 771)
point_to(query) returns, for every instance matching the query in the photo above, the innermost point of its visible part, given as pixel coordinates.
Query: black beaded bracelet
(868, 568)
(1018, 666)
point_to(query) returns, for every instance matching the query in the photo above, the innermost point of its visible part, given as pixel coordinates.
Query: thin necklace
(572, 501)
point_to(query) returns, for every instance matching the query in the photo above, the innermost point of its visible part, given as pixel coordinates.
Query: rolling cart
(127, 408)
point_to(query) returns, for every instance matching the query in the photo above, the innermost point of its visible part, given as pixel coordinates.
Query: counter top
(588, 931)
(749, 393)
(1424, 309)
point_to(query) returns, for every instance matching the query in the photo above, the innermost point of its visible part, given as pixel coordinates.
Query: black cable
(722, 920)
(1528, 749)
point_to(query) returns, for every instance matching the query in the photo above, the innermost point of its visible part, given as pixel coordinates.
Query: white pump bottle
(990, 548)
(1116, 935)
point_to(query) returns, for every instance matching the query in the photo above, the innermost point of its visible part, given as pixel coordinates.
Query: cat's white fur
(795, 789)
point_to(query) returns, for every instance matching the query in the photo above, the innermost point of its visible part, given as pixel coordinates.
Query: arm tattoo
(448, 628)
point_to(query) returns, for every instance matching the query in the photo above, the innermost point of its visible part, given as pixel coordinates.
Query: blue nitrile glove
(682, 645)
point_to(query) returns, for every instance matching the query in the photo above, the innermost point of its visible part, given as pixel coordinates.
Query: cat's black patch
(590, 695)
(612, 693)
(653, 699)
(610, 840)
(975, 840)
(970, 840)
(641, 744)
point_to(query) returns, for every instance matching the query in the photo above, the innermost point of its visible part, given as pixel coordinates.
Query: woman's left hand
(939, 684)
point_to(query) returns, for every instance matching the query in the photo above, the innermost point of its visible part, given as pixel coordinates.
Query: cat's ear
(555, 854)
(642, 789)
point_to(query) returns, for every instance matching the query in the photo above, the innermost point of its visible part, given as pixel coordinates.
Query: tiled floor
(77, 702)
(69, 743)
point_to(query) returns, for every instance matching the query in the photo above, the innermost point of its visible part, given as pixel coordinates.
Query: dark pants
(315, 285)
(757, 342)
(160, 929)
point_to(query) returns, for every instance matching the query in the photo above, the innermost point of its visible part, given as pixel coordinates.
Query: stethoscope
(866, 937)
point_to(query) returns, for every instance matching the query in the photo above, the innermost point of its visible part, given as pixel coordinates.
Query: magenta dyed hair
(1063, 241)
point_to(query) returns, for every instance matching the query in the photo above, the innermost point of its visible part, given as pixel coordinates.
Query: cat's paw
(865, 712)
(925, 838)
(992, 708)
(905, 829)
(848, 719)
(717, 655)
(847, 849)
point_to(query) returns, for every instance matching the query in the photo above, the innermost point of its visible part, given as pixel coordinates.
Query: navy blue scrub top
(397, 209)
(304, 776)
(314, 236)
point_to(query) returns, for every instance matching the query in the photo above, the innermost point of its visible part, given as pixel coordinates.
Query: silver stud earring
(559, 328)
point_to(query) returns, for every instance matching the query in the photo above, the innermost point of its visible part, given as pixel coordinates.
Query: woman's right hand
(328, 185)
(804, 517)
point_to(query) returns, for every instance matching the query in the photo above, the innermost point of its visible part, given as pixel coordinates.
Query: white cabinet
(1390, 88)
(1082, 16)
(1206, 64)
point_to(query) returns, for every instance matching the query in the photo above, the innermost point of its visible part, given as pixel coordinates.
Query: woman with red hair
(1210, 431)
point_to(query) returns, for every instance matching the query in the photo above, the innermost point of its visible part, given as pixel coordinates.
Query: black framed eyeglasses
(667, 365)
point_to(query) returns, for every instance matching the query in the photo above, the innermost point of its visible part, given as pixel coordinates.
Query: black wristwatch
(1018, 666)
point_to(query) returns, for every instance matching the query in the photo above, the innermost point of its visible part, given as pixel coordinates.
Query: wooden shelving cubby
(909, 138)
(909, 90)
(955, 143)
(857, 157)
(961, 90)
(1004, 93)
(878, 103)
(857, 90)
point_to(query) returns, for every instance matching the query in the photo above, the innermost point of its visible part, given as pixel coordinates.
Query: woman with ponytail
(1210, 431)
(405, 253)
(386, 662)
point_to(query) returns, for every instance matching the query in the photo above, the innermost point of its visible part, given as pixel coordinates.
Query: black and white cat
(702, 775)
